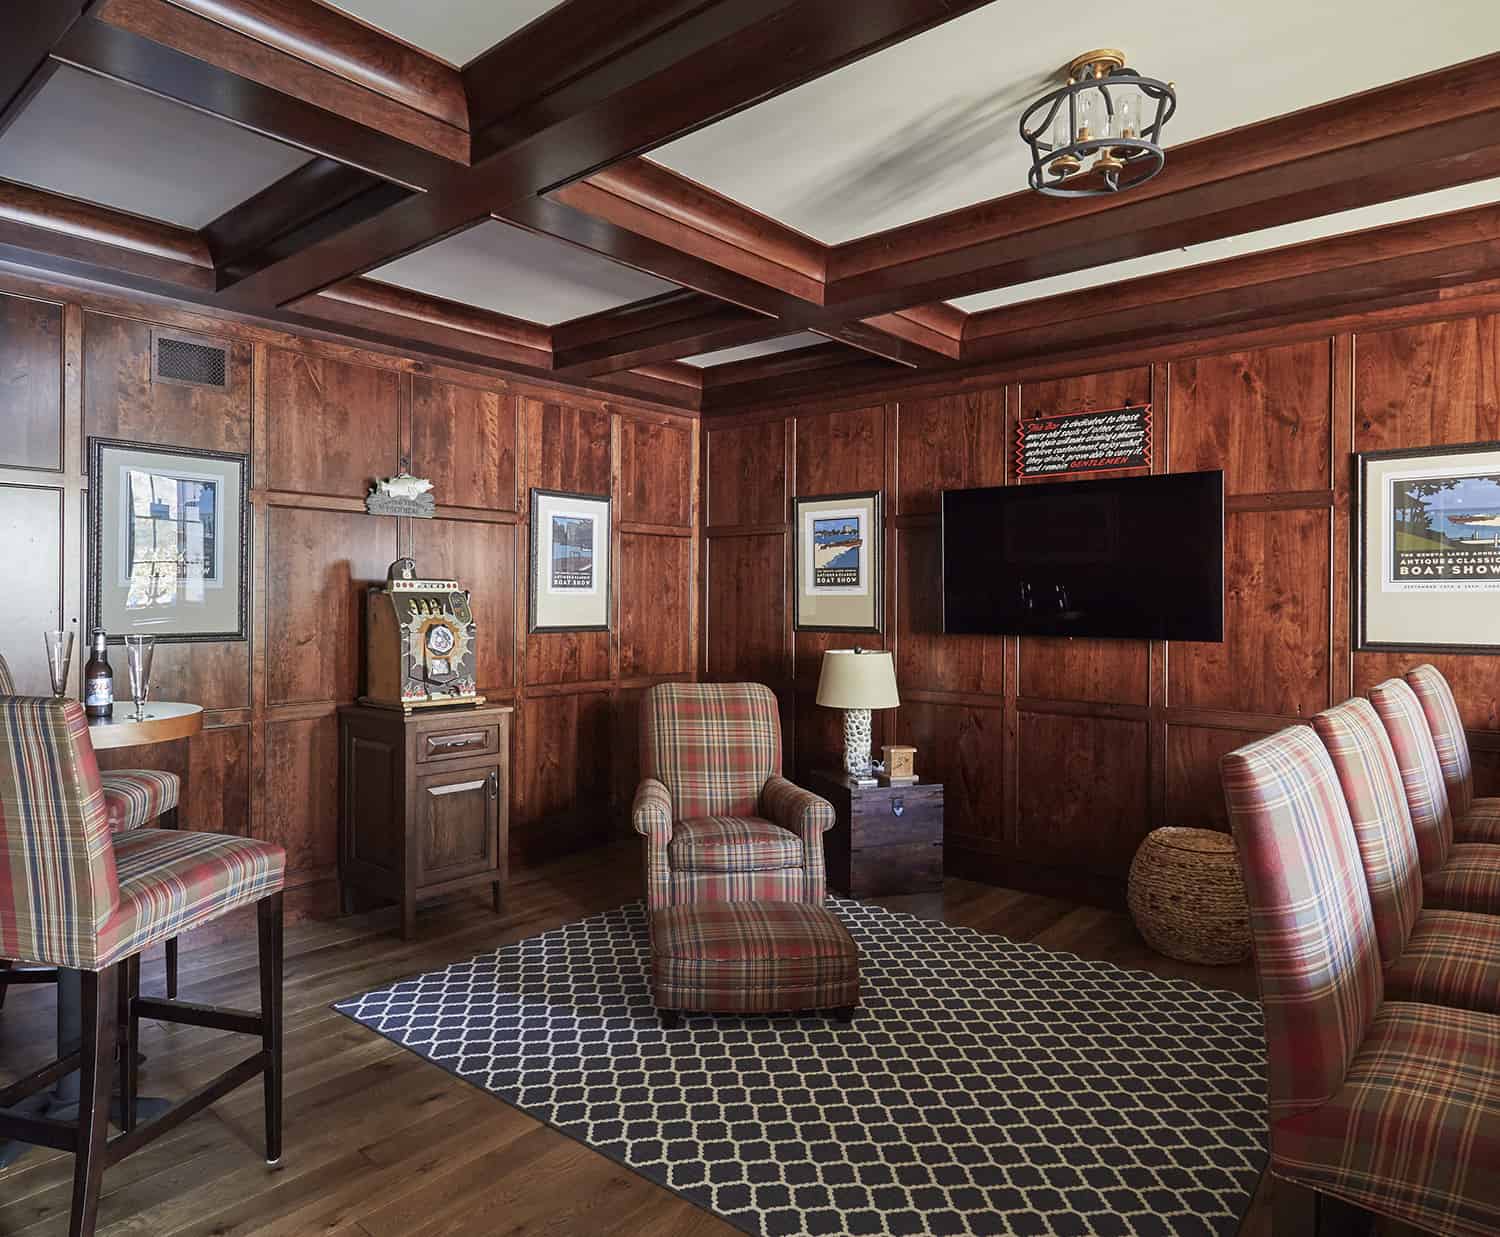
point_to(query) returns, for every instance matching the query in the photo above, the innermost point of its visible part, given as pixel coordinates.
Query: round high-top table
(164, 721)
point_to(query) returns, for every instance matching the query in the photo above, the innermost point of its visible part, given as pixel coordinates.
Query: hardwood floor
(381, 1144)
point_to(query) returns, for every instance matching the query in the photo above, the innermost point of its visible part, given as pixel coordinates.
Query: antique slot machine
(419, 642)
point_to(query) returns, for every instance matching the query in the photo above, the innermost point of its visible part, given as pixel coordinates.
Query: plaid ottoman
(751, 958)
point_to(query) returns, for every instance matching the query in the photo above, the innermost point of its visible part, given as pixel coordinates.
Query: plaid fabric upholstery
(1480, 824)
(135, 797)
(774, 885)
(651, 814)
(732, 844)
(7, 683)
(171, 881)
(1416, 756)
(1447, 727)
(57, 869)
(1315, 950)
(1452, 959)
(752, 957)
(713, 745)
(1414, 1132)
(1469, 881)
(711, 760)
(807, 815)
(1371, 782)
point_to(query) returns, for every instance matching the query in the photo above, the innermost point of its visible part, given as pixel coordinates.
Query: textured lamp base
(857, 742)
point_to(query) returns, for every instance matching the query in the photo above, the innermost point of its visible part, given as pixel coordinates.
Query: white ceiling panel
(94, 139)
(931, 125)
(768, 347)
(452, 30)
(510, 271)
(1480, 193)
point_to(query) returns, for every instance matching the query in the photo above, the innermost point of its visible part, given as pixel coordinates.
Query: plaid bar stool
(74, 895)
(721, 823)
(1436, 957)
(1389, 1106)
(1458, 876)
(1474, 820)
(133, 799)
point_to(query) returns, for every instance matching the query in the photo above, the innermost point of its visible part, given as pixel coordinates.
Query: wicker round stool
(1187, 896)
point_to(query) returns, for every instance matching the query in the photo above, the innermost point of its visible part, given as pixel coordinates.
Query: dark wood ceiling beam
(1316, 279)
(661, 329)
(317, 199)
(58, 233)
(32, 30)
(727, 55)
(741, 384)
(328, 39)
(205, 66)
(1430, 133)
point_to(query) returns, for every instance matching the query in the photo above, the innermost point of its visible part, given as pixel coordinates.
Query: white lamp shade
(851, 680)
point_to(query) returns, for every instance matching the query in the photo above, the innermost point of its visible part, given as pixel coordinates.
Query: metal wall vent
(191, 362)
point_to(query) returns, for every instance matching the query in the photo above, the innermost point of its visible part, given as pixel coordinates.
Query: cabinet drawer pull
(455, 787)
(453, 743)
(494, 784)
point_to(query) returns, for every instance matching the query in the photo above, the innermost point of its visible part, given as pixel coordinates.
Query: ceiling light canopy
(1101, 132)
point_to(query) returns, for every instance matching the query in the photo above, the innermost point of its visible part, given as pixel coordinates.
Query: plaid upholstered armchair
(721, 824)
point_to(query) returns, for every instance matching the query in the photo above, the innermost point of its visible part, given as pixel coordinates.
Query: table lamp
(857, 681)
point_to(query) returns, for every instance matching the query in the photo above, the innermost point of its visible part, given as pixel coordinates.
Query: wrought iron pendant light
(1101, 132)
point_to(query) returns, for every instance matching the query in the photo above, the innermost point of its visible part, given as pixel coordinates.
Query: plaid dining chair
(133, 799)
(1435, 956)
(1388, 1106)
(74, 894)
(721, 824)
(1459, 876)
(1474, 820)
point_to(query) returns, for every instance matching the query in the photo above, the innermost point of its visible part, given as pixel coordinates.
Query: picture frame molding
(1359, 610)
(877, 560)
(533, 580)
(97, 446)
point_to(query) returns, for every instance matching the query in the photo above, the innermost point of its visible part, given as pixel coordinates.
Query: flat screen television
(1138, 557)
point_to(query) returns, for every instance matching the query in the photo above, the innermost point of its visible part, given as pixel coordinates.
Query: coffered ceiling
(91, 139)
(746, 352)
(455, 31)
(714, 203)
(931, 125)
(503, 269)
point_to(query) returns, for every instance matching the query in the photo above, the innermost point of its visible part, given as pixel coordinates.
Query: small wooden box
(888, 839)
(898, 759)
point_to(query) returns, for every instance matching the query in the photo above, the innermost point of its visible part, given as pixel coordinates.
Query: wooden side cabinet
(888, 839)
(422, 803)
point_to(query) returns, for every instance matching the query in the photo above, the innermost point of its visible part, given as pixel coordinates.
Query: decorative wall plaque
(1094, 440)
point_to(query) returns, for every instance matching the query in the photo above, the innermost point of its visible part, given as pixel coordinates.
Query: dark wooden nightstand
(889, 839)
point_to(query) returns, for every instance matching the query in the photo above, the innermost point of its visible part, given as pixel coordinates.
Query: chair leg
(100, 990)
(168, 820)
(268, 911)
(129, 1036)
(5, 965)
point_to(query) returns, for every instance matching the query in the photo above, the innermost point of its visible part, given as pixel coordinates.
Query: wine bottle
(98, 678)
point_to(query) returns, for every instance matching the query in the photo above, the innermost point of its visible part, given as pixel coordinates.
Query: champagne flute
(138, 654)
(59, 659)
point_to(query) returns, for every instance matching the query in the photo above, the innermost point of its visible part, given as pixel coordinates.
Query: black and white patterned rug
(985, 1087)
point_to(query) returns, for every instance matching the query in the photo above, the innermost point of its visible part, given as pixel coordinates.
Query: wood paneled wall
(1059, 755)
(320, 421)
